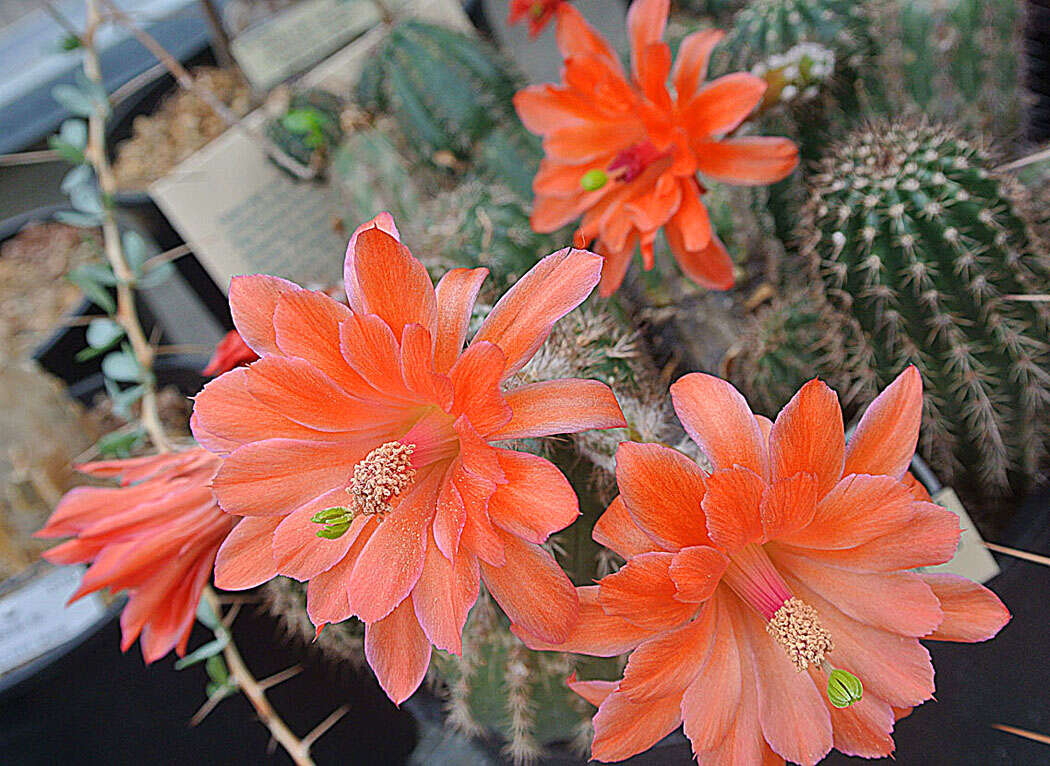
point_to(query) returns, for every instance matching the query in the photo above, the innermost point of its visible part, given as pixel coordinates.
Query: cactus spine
(919, 250)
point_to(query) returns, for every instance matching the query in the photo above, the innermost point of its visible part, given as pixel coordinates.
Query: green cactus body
(446, 89)
(919, 250)
(311, 125)
(510, 155)
(372, 176)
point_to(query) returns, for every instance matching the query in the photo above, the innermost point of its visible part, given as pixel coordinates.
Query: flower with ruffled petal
(230, 352)
(155, 536)
(772, 606)
(358, 448)
(624, 152)
(538, 12)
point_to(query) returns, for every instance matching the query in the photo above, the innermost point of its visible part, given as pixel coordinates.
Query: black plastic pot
(1037, 71)
(56, 353)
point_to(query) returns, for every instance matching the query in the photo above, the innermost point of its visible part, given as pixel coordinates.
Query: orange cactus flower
(155, 536)
(358, 448)
(755, 596)
(230, 352)
(538, 12)
(624, 153)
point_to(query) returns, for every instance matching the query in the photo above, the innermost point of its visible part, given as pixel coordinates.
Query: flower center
(792, 622)
(626, 166)
(380, 477)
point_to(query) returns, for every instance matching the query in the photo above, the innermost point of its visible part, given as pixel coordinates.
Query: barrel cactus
(920, 251)
(446, 89)
(310, 127)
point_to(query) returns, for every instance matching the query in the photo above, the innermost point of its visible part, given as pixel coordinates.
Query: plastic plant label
(972, 559)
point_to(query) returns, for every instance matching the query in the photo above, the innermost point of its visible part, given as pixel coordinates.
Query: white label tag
(972, 560)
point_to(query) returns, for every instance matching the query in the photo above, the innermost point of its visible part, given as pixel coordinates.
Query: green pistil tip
(844, 688)
(594, 179)
(336, 521)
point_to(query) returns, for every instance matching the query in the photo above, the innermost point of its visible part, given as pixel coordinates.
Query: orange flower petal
(326, 595)
(800, 731)
(594, 692)
(245, 558)
(476, 377)
(748, 160)
(298, 551)
(354, 294)
(253, 299)
(864, 728)
(653, 68)
(577, 39)
(369, 347)
(885, 439)
(711, 701)
(550, 213)
(732, 506)
(691, 223)
(590, 140)
(456, 293)
(662, 489)
(646, 20)
(275, 476)
(616, 530)
(690, 66)
(533, 591)
(696, 572)
(788, 505)
(718, 419)
(537, 499)
(808, 437)
(450, 517)
(723, 104)
(479, 536)
(666, 664)
(614, 267)
(417, 368)
(523, 317)
(642, 592)
(623, 728)
(596, 632)
(709, 267)
(545, 108)
(394, 285)
(444, 595)
(398, 651)
(306, 325)
(971, 612)
(563, 406)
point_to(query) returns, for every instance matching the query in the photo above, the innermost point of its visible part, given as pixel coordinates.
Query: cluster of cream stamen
(796, 627)
(380, 477)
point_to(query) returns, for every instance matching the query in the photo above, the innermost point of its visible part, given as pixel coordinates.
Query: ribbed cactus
(445, 89)
(372, 176)
(921, 251)
(310, 128)
(510, 155)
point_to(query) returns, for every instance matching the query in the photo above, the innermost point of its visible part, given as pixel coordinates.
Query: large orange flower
(358, 449)
(155, 536)
(745, 587)
(624, 153)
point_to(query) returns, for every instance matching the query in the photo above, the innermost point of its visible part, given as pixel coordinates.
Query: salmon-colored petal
(577, 143)
(808, 437)
(326, 594)
(533, 591)
(443, 596)
(709, 267)
(666, 664)
(642, 592)
(550, 213)
(537, 499)
(691, 224)
(800, 731)
(479, 536)
(524, 316)
(545, 108)
(894, 668)
(884, 441)
(594, 692)
(788, 505)
(864, 728)
(578, 39)
(662, 490)
(394, 285)
(858, 509)
(398, 651)
(748, 160)
(476, 377)
(899, 602)
(711, 701)
(653, 68)
(563, 406)
(417, 368)
(449, 518)
(253, 299)
(718, 419)
(354, 294)
(245, 558)
(646, 20)
(614, 267)
(690, 66)
(617, 531)
(652, 208)
(930, 537)
(276, 476)
(595, 633)
(391, 562)
(971, 612)
(623, 728)
(696, 572)
(732, 506)
(298, 551)
(723, 104)
(456, 293)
